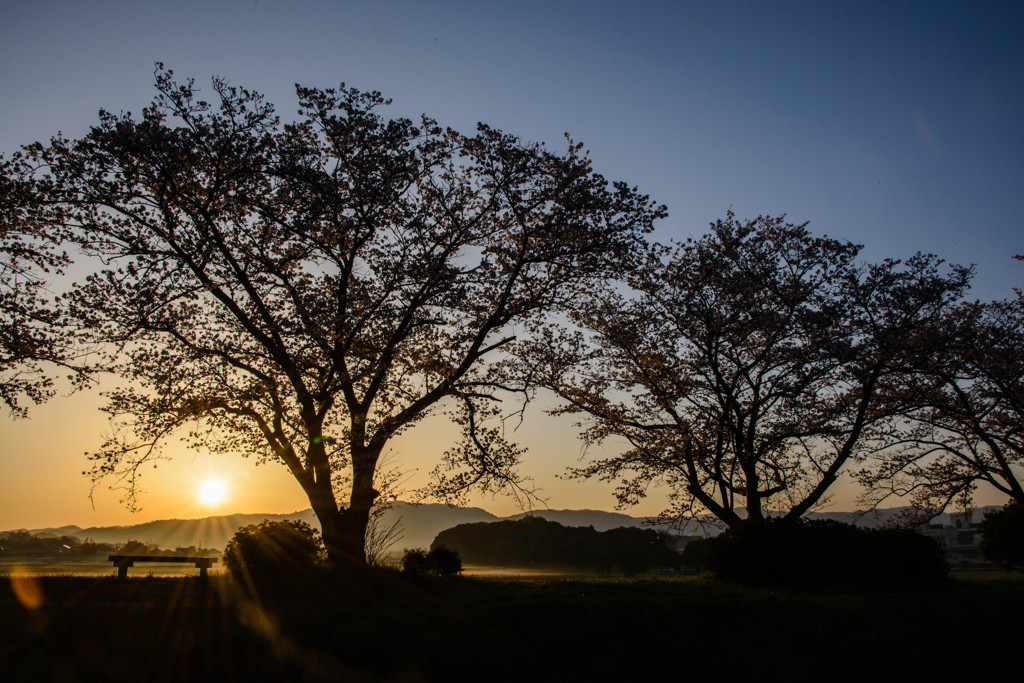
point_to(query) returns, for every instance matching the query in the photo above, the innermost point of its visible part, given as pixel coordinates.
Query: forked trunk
(344, 531)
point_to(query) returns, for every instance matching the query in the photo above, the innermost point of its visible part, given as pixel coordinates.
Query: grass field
(385, 627)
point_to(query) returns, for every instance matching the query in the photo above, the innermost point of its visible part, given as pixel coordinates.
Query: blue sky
(893, 124)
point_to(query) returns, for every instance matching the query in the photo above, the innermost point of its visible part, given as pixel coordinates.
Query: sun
(212, 492)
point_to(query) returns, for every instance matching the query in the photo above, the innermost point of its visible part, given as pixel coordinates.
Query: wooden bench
(122, 562)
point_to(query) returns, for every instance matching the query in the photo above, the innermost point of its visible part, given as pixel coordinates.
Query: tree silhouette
(537, 541)
(748, 367)
(305, 292)
(1002, 536)
(964, 424)
(33, 336)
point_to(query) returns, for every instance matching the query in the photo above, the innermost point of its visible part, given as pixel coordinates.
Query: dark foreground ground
(387, 628)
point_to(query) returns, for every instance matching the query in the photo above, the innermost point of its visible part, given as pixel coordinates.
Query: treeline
(822, 553)
(25, 543)
(537, 541)
(21, 543)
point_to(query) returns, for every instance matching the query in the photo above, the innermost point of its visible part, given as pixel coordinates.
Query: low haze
(896, 125)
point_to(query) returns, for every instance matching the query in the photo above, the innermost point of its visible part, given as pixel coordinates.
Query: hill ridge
(420, 523)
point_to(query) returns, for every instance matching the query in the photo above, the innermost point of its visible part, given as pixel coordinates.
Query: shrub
(444, 561)
(440, 560)
(271, 549)
(1002, 536)
(696, 552)
(415, 562)
(819, 553)
(903, 556)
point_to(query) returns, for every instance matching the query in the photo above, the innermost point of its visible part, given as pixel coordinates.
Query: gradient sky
(897, 125)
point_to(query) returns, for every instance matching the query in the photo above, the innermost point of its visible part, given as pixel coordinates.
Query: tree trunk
(754, 501)
(344, 531)
(346, 539)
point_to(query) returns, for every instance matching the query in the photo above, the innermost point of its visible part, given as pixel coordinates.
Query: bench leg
(122, 570)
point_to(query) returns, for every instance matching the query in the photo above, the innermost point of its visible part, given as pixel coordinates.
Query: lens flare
(27, 590)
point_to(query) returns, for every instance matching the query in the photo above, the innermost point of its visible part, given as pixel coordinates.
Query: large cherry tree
(745, 369)
(964, 425)
(305, 292)
(36, 340)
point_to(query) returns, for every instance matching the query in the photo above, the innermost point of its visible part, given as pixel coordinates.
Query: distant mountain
(419, 524)
(208, 532)
(57, 532)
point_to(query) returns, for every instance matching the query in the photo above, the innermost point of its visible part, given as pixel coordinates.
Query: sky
(896, 125)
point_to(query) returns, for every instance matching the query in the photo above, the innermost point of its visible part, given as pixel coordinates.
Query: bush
(820, 553)
(440, 561)
(415, 562)
(1002, 536)
(272, 549)
(444, 561)
(903, 556)
(696, 552)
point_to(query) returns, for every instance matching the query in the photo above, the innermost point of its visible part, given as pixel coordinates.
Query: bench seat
(122, 562)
